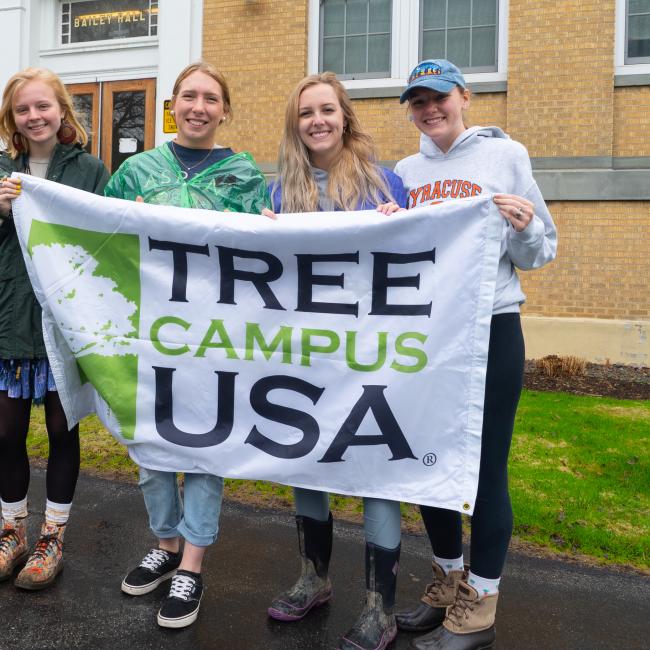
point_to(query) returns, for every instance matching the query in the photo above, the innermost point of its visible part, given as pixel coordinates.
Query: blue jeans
(197, 520)
(381, 517)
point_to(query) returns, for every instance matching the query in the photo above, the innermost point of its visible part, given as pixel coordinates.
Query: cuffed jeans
(197, 519)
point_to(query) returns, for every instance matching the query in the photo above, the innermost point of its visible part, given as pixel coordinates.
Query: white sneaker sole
(141, 590)
(179, 622)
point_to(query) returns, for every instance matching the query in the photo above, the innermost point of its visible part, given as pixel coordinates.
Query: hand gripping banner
(333, 351)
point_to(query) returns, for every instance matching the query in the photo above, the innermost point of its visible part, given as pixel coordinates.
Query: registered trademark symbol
(429, 459)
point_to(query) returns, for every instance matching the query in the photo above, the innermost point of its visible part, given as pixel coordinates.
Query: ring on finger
(520, 212)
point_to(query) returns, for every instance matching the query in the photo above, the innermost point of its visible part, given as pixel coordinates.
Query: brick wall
(262, 50)
(603, 264)
(560, 76)
(632, 121)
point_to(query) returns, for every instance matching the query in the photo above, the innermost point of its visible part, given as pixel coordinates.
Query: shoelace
(462, 604)
(8, 537)
(154, 559)
(43, 545)
(181, 587)
(434, 588)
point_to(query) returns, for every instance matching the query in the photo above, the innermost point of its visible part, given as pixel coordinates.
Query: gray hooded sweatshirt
(484, 160)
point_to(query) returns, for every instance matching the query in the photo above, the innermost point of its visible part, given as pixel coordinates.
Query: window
(374, 44)
(100, 20)
(355, 37)
(637, 31)
(463, 31)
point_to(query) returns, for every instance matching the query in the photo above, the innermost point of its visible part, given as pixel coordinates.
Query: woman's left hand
(517, 210)
(389, 208)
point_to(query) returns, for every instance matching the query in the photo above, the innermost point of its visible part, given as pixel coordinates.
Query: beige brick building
(563, 83)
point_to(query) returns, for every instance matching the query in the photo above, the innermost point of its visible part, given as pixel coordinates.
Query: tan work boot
(468, 624)
(46, 562)
(429, 613)
(13, 546)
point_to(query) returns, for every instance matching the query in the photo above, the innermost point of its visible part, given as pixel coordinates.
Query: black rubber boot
(375, 628)
(313, 587)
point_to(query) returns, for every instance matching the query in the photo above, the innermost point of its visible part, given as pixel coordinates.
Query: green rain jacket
(21, 334)
(234, 184)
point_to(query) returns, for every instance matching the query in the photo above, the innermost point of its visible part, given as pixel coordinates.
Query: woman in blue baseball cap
(457, 161)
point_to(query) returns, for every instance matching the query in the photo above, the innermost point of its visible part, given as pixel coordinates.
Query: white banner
(334, 351)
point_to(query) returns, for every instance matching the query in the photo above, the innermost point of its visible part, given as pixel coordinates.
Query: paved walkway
(543, 604)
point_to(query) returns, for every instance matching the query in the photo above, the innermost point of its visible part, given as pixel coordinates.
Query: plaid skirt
(26, 378)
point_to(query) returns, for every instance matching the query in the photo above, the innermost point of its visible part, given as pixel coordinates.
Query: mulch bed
(612, 380)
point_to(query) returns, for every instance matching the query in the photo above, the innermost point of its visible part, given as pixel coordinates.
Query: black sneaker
(156, 566)
(181, 607)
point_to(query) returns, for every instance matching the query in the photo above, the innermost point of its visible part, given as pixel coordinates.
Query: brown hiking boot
(13, 546)
(468, 624)
(429, 613)
(46, 562)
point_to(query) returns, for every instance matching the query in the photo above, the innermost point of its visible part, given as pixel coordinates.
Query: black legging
(492, 518)
(63, 460)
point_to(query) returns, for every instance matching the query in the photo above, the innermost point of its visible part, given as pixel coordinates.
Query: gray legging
(381, 517)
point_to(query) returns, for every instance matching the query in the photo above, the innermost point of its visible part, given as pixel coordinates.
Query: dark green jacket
(20, 314)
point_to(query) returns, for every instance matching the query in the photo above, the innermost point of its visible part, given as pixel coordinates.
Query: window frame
(104, 43)
(405, 50)
(355, 75)
(472, 69)
(623, 67)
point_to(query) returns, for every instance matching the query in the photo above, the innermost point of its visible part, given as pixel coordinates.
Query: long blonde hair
(7, 123)
(353, 178)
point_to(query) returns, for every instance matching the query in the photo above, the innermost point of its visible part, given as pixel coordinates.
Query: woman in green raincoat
(192, 172)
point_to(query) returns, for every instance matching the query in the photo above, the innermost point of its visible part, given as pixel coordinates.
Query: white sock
(13, 511)
(57, 513)
(484, 586)
(455, 564)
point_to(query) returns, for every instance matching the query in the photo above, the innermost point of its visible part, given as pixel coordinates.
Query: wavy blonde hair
(353, 178)
(7, 122)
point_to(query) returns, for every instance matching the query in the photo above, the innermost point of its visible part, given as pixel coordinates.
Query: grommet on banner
(466, 506)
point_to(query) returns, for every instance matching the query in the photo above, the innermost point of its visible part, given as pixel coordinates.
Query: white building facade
(118, 58)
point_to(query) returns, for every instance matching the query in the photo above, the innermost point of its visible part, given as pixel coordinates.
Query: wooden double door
(119, 117)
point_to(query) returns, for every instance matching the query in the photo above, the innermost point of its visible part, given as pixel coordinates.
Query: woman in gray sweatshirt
(454, 161)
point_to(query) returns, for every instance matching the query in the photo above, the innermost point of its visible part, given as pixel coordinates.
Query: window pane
(96, 20)
(638, 6)
(458, 47)
(484, 12)
(638, 44)
(434, 13)
(433, 44)
(483, 46)
(128, 124)
(356, 19)
(355, 54)
(333, 17)
(459, 13)
(333, 55)
(83, 106)
(379, 53)
(380, 11)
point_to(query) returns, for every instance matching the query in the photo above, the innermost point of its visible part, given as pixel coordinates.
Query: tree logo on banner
(99, 277)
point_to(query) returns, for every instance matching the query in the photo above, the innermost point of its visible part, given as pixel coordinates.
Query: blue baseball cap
(435, 74)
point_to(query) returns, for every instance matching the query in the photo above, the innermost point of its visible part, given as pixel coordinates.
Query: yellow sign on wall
(169, 123)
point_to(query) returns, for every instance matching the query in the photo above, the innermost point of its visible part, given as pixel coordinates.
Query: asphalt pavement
(543, 603)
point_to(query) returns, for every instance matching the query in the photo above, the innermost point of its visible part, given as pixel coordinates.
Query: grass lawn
(579, 475)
